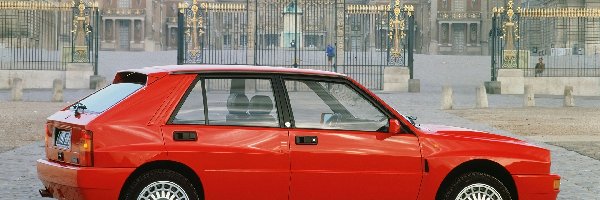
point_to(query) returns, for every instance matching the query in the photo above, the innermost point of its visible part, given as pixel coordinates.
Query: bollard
(482, 100)
(100, 83)
(414, 85)
(569, 100)
(446, 98)
(16, 89)
(57, 90)
(529, 97)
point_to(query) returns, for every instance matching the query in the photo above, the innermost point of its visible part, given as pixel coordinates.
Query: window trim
(273, 78)
(344, 81)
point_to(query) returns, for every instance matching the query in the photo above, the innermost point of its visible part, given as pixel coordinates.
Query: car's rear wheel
(161, 184)
(476, 186)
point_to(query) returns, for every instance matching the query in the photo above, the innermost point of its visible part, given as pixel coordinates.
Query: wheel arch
(165, 164)
(484, 166)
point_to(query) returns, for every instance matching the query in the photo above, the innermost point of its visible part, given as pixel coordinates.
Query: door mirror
(395, 127)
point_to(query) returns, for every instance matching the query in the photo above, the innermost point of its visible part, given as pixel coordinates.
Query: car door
(227, 129)
(340, 147)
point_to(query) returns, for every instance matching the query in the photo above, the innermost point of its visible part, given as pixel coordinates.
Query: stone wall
(512, 81)
(77, 76)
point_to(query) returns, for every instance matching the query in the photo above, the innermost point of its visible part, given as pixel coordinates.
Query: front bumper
(537, 186)
(71, 182)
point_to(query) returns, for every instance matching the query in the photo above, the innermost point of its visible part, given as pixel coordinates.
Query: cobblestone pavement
(580, 174)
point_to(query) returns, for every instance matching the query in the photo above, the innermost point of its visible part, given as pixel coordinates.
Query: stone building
(124, 24)
(442, 26)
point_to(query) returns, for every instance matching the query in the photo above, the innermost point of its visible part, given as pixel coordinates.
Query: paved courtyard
(581, 174)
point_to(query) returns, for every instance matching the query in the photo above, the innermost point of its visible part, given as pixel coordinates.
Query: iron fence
(566, 40)
(47, 36)
(359, 40)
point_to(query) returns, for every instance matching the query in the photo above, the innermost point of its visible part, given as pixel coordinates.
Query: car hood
(457, 132)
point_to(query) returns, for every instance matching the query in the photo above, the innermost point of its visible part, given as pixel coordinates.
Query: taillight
(48, 134)
(81, 148)
(85, 146)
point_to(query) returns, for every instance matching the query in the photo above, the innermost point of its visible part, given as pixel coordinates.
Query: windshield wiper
(77, 107)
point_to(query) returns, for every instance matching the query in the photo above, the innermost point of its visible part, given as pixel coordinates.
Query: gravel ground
(580, 174)
(575, 129)
(23, 122)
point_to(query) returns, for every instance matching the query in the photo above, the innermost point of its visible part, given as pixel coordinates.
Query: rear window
(109, 96)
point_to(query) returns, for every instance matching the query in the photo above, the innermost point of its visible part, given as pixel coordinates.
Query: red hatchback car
(247, 132)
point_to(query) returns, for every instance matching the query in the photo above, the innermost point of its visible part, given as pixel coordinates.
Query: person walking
(330, 52)
(539, 67)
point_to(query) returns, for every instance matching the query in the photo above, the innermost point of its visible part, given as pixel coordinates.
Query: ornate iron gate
(355, 39)
(566, 40)
(48, 35)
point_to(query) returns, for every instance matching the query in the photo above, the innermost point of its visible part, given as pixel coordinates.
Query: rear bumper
(536, 186)
(70, 182)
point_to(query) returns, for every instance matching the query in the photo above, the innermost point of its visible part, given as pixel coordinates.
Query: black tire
(471, 178)
(156, 176)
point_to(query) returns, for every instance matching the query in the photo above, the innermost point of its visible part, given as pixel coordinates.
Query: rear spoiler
(139, 76)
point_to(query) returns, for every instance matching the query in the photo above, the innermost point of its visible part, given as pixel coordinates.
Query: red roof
(230, 68)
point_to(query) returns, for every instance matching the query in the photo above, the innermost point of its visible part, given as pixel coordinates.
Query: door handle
(185, 136)
(307, 140)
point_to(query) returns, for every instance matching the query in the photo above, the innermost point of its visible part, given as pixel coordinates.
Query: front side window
(325, 105)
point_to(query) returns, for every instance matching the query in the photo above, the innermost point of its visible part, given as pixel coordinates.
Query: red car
(247, 132)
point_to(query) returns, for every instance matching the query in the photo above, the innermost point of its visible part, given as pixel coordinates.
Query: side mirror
(395, 127)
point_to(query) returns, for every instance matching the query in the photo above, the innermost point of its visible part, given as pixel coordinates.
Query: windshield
(109, 96)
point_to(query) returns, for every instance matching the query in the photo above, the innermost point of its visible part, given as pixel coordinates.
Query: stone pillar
(16, 90)
(479, 35)
(482, 100)
(148, 23)
(439, 34)
(251, 34)
(434, 28)
(414, 85)
(77, 75)
(511, 81)
(372, 31)
(131, 32)
(395, 79)
(143, 33)
(57, 90)
(114, 32)
(97, 82)
(529, 97)
(569, 100)
(468, 33)
(447, 98)
(339, 37)
(104, 30)
(450, 39)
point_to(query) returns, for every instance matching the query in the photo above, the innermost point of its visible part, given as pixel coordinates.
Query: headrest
(260, 105)
(237, 103)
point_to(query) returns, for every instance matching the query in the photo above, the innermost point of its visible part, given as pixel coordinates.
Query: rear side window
(229, 101)
(192, 108)
(246, 102)
(109, 96)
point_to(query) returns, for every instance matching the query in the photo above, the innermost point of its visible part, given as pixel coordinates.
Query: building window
(243, 40)
(227, 40)
(124, 3)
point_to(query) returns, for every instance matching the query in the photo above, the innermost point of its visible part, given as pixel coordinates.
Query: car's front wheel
(161, 184)
(476, 186)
